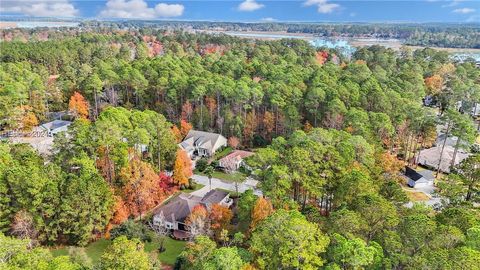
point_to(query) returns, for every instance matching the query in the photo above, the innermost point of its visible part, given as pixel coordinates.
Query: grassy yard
(416, 196)
(197, 187)
(221, 154)
(227, 177)
(95, 250)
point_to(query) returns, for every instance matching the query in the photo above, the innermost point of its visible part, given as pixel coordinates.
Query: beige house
(173, 214)
(202, 144)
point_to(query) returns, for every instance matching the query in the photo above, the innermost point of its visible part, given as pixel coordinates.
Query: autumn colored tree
(184, 128)
(434, 84)
(78, 105)
(182, 169)
(141, 189)
(233, 142)
(211, 105)
(121, 212)
(250, 127)
(198, 222)
(29, 121)
(187, 111)
(176, 133)
(389, 163)
(307, 127)
(220, 218)
(268, 124)
(262, 209)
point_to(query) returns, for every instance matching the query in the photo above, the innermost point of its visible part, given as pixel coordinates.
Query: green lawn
(222, 153)
(95, 250)
(227, 177)
(197, 187)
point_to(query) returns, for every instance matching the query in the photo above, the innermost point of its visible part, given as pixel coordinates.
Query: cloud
(323, 6)
(268, 19)
(166, 10)
(249, 5)
(40, 8)
(452, 3)
(138, 9)
(464, 10)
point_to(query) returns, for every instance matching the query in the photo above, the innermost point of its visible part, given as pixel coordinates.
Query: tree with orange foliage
(198, 222)
(233, 142)
(185, 127)
(211, 104)
(434, 84)
(121, 212)
(78, 105)
(250, 127)
(389, 163)
(29, 120)
(182, 170)
(307, 127)
(177, 134)
(187, 111)
(141, 186)
(268, 124)
(261, 210)
(220, 218)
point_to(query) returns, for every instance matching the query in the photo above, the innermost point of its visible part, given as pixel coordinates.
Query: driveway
(218, 183)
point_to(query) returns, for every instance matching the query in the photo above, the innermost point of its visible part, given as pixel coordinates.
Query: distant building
(415, 179)
(175, 212)
(54, 127)
(234, 160)
(202, 144)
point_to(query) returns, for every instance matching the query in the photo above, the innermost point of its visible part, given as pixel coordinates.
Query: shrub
(201, 164)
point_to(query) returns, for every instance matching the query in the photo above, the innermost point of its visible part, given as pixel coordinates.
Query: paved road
(218, 183)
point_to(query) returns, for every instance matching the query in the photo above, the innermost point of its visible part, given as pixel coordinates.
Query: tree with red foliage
(185, 127)
(233, 142)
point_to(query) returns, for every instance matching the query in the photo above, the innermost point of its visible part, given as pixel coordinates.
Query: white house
(202, 144)
(416, 180)
(54, 127)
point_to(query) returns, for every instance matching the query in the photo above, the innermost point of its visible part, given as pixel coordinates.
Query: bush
(132, 229)
(201, 164)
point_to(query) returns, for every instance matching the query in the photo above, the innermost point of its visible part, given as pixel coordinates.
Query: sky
(253, 10)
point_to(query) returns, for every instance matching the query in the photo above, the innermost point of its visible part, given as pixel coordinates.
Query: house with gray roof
(174, 214)
(54, 127)
(202, 144)
(416, 179)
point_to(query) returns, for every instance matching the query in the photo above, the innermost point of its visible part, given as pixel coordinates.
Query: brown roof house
(173, 214)
(202, 144)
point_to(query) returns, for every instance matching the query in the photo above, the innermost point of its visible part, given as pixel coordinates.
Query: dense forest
(431, 35)
(330, 136)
